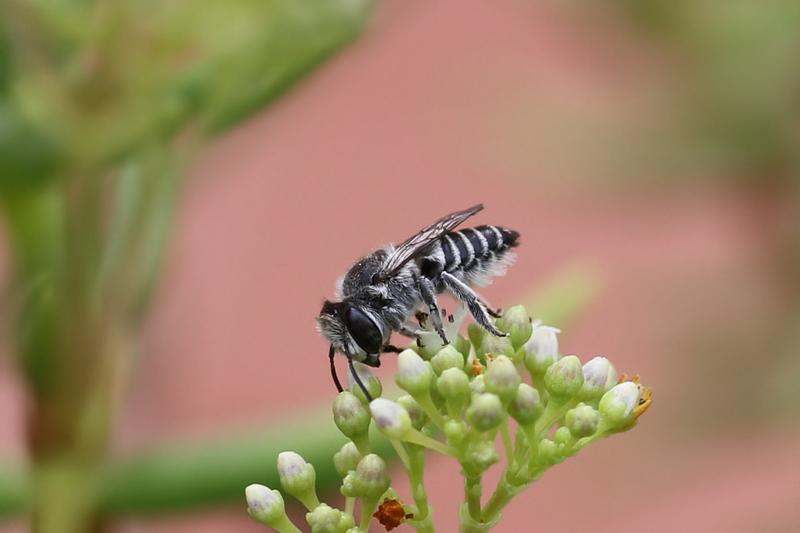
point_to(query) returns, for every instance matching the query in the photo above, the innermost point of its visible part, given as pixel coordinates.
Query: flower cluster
(459, 399)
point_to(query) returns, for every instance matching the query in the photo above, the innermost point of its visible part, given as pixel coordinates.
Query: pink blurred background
(525, 107)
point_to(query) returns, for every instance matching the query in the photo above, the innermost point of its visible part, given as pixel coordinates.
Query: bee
(380, 292)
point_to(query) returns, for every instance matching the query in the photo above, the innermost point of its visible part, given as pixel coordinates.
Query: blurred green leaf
(200, 472)
(14, 489)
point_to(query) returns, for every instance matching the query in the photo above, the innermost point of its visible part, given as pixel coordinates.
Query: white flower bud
(599, 376)
(542, 348)
(390, 418)
(265, 505)
(414, 375)
(298, 478)
(618, 404)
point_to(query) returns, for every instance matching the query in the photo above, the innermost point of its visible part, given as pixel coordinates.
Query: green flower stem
(537, 380)
(401, 452)
(349, 505)
(368, 506)
(533, 439)
(552, 414)
(454, 409)
(416, 470)
(285, 526)
(426, 402)
(502, 496)
(508, 443)
(473, 490)
(471, 525)
(362, 444)
(416, 437)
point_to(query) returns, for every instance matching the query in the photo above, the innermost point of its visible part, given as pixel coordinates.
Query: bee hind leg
(477, 308)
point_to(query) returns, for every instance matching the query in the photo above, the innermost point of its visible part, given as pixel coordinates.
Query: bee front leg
(428, 293)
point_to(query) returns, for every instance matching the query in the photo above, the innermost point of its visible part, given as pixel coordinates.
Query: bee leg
(428, 293)
(495, 313)
(464, 293)
(331, 353)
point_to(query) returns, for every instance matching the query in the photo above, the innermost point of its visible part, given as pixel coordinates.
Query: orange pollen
(391, 514)
(477, 368)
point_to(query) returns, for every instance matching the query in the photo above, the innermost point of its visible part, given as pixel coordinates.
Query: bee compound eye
(363, 330)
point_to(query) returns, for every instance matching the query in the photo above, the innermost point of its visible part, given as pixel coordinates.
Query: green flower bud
(526, 406)
(265, 505)
(418, 416)
(298, 478)
(485, 412)
(454, 430)
(542, 349)
(453, 385)
(369, 480)
(516, 322)
(463, 346)
(550, 452)
(582, 420)
(561, 436)
(350, 415)
(483, 455)
(475, 334)
(477, 385)
(413, 374)
(325, 519)
(598, 377)
(492, 344)
(448, 357)
(346, 459)
(564, 379)
(617, 405)
(390, 418)
(369, 380)
(502, 378)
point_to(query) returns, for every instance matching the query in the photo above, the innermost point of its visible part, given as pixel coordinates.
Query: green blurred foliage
(102, 105)
(737, 72)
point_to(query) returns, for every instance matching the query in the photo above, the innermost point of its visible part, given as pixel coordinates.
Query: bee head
(350, 328)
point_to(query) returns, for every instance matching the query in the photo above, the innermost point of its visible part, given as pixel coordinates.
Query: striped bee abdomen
(472, 254)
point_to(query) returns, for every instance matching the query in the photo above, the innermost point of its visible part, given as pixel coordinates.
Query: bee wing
(413, 247)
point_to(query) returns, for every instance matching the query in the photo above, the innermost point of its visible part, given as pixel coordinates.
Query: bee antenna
(358, 379)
